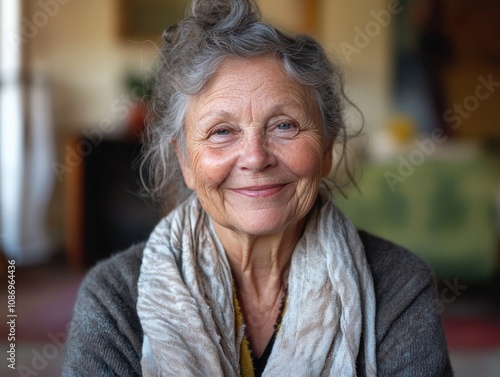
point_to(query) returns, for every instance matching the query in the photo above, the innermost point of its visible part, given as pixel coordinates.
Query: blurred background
(75, 76)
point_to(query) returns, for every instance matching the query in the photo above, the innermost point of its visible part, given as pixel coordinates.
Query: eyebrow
(216, 114)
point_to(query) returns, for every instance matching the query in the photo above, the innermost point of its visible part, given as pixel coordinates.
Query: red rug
(472, 333)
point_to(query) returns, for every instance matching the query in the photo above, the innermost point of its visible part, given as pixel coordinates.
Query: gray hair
(211, 31)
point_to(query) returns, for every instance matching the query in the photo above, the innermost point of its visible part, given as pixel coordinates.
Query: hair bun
(219, 15)
(169, 32)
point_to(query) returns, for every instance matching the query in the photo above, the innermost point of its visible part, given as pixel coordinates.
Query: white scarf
(185, 301)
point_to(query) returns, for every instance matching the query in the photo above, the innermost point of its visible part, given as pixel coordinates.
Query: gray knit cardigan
(105, 337)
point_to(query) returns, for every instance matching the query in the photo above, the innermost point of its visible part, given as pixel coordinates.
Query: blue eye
(222, 135)
(285, 129)
(284, 126)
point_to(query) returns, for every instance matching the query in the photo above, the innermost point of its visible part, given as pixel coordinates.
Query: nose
(256, 154)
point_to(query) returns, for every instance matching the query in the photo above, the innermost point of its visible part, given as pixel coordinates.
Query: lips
(260, 191)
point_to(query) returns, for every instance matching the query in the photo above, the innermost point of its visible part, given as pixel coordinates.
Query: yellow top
(246, 364)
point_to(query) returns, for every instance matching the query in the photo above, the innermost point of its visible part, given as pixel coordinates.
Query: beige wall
(84, 56)
(368, 68)
(282, 13)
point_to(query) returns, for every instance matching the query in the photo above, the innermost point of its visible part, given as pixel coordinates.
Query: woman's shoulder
(409, 332)
(399, 278)
(118, 272)
(391, 263)
(105, 337)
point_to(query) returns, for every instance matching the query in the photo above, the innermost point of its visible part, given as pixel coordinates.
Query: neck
(260, 264)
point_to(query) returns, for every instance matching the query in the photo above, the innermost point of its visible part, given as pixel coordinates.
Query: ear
(327, 159)
(185, 164)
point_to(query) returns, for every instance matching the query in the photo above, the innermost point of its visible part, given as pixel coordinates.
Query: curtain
(26, 148)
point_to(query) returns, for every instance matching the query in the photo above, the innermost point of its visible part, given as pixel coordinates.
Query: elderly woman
(255, 271)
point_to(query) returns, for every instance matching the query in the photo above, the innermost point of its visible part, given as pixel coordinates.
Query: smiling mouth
(260, 191)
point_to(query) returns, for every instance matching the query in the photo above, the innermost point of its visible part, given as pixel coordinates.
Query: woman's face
(255, 149)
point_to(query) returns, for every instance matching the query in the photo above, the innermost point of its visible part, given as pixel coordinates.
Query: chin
(263, 226)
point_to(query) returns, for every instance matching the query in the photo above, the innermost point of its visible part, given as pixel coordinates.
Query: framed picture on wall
(146, 19)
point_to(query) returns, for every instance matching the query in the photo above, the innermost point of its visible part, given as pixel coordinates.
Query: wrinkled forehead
(260, 82)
